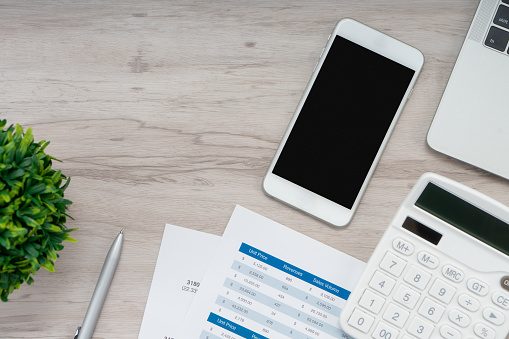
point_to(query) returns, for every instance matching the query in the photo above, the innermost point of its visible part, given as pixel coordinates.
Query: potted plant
(33, 210)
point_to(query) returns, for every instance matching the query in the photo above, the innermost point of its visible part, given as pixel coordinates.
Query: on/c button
(505, 282)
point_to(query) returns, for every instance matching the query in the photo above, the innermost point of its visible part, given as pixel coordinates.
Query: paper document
(268, 281)
(183, 258)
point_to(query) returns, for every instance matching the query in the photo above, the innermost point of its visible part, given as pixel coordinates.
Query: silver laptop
(472, 120)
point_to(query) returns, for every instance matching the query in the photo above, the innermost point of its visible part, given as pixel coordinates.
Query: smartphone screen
(343, 122)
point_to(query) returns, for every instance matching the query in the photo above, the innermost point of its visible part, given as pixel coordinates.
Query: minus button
(450, 333)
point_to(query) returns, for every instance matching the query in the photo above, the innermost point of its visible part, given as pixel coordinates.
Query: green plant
(32, 208)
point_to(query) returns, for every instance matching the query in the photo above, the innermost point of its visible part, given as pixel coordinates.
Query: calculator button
(442, 291)
(493, 316)
(453, 273)
(505, 282)
(459, 318)
(501, 300)
(428, 260)
(417, 277)
(384, 331)
(393, 264)
(361, 321)
(431, 310)
(468, 302)
(478, 287)
(382, 283)
(484, 331)
(406, 296)
(420, 328)
(402, 246)
(396, 315)
(371, 302)
(448, 332)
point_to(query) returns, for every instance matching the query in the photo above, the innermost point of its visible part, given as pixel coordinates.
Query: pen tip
(122, 231)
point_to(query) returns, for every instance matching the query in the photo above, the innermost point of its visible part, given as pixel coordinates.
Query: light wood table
(170, 112)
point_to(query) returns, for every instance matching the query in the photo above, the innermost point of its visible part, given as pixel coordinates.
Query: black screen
(422, 230)
(343, 122)
(465, 216)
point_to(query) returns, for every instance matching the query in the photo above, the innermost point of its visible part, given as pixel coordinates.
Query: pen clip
(77, 332)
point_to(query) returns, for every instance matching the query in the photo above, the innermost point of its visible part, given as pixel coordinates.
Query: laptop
(472, 120)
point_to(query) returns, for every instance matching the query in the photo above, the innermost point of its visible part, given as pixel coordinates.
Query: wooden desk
(170, 112)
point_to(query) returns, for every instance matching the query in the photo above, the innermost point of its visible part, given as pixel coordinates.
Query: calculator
(441, 269)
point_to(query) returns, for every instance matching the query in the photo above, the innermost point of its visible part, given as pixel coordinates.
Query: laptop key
(497, 39)
(502, 16)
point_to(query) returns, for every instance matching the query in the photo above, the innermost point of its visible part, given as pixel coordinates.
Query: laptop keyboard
(498, 35)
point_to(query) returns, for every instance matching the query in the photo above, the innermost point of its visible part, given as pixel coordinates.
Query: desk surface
(170, 112)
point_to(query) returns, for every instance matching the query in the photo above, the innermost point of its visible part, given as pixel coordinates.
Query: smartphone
(342, 122)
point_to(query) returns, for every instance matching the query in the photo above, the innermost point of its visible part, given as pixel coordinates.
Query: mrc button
(452, 273)
(505, 282)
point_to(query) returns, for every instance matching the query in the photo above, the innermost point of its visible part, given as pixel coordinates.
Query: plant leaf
(36, 189)
(29, 249)
(16, 173)
(32, 208)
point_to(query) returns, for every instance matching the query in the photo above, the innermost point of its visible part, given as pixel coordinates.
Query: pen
(86, 330)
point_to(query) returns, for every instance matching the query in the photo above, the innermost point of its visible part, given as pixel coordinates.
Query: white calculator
(441, 269)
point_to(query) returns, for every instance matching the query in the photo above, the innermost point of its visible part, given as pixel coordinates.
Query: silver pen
(86, 330)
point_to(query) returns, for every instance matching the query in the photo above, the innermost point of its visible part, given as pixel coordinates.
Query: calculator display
(464, 216)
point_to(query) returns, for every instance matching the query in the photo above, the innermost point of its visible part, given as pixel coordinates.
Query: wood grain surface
(170, 112)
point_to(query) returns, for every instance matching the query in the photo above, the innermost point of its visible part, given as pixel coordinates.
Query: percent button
(484, 331)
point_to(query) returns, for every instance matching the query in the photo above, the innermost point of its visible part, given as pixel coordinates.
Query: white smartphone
(342, 122)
